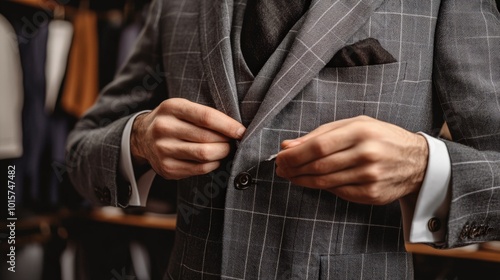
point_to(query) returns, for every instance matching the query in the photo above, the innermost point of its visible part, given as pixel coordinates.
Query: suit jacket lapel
(326, 28)
(215, 29)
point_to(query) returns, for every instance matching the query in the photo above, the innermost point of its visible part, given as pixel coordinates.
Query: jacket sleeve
(93, 148)
(467, 83)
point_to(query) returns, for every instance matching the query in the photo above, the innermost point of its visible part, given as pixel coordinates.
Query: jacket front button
(434, 224)
(243, 181)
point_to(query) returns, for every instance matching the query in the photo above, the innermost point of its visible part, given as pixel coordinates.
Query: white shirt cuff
(140, 188)
(432, 203)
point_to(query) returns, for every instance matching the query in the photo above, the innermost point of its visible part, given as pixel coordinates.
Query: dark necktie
(265, 24)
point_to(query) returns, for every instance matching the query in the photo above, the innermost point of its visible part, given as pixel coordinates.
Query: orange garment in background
(81, 87)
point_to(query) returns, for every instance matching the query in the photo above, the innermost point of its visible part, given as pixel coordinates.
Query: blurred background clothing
(54, 63)
(11, 96)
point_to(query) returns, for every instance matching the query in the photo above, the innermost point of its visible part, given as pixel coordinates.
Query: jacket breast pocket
(361, 90)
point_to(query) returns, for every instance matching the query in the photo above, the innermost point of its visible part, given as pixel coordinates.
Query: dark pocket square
(365, 52)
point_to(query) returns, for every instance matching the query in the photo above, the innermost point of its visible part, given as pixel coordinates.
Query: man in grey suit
(351, 97)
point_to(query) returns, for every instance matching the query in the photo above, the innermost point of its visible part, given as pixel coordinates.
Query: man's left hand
(361, 159)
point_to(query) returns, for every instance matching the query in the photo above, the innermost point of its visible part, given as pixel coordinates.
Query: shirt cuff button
(434, 224)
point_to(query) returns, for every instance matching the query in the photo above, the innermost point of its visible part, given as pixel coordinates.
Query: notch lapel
(215, 29)
(326, 28)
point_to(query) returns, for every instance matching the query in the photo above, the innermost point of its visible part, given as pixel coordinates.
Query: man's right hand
(180, 139)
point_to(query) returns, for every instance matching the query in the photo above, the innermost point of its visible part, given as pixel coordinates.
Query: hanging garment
(108, 32)
(82, 78)
(127, 41)
(11, 95)
(32, 44)
(130, 33)
(58, 47)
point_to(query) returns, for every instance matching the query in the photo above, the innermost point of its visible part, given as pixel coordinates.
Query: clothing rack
(93, 37)
(65, 9)
(91, 4)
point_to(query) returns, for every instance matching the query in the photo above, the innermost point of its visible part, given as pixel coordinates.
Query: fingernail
(240, 132)
(291, 144)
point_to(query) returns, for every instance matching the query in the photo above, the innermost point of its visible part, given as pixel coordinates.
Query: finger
(290, 143)
(316, 148)
(329, 164)
(192, 133)
(350, 176)
(196, 152)
(207, 117)
(174, 169)
(206, 152)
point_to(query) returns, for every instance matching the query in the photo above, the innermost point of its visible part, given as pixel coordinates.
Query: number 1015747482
(11, 194)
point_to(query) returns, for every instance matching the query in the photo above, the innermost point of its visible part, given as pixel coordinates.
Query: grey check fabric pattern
(448, 67)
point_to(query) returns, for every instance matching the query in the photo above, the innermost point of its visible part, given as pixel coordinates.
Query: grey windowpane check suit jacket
(448, 68)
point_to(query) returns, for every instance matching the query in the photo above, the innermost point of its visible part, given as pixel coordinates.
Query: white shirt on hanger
(12, 93)
(58, 46)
